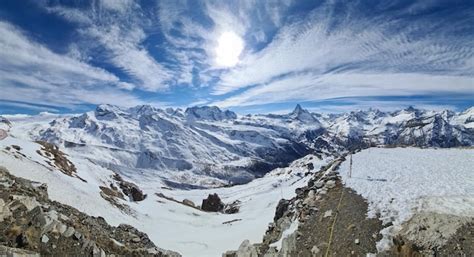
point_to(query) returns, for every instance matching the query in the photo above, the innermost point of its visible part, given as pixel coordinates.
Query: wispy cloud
(118, 28)
(309, 86)
(127, 51)
(30, 72)
(349, 53)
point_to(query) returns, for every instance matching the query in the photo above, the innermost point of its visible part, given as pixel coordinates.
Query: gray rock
(44, 239)
(315, 250)
(16, 252)
(69, 232)
(61, 228)
(331, 184)
(189, 203)
(327, 214)
(247, 250)
(77, 235)
(318, 184)
(4, 211)
(96, 251)
(50, 225)
(29, 202)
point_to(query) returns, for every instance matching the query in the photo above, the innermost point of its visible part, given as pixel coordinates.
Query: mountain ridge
(209, 146)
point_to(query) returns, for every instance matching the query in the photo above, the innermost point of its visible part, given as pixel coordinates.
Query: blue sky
(248, 56)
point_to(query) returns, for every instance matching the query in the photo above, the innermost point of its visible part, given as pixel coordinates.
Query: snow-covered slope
(199, 146)
(402, 181)
(205, 146)
(168, 222)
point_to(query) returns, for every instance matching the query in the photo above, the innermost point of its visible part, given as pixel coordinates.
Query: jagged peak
(302, 114)
(298, 109)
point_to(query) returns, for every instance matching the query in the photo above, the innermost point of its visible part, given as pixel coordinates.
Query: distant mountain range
(206, 146)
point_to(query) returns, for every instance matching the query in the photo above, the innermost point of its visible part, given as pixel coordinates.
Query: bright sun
(229, 47)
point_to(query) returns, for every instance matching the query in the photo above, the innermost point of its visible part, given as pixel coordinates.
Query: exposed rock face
(231, 208)
(58, 159)
(32, 225)
(129, 189)
(281, 208)
(212, 204)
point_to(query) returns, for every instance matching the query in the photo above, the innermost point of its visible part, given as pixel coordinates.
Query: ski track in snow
(401, 181)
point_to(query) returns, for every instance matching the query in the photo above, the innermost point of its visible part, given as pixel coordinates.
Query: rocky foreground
(33, 225)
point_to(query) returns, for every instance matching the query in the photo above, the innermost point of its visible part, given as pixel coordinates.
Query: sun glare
(229, 47)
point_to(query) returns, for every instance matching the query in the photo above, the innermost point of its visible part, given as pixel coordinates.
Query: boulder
(189, 203)
(212, 204)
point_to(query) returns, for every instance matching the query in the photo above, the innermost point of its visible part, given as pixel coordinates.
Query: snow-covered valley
(174, 159)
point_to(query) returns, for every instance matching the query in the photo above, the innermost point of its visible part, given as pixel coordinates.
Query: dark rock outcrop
(212, 203)
(131, 190)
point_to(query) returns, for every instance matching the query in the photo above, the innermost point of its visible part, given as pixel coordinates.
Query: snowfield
(402, 181)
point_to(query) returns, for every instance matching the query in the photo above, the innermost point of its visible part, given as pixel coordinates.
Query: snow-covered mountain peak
(206, 145)
(302, 115)
(211, 113)
(107, 112)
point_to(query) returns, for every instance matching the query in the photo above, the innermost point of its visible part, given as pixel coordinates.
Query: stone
(4, 211)
(96, 251)
(246, 249)
(77, 235)
(318, 184)
(315, 250)
(212, 203)
(69, 232)
(327, 214)
(49, 226)
(16, 252)
(331, 184)
(61, 228)
(44, 239)
(189, 203)
(29, 202)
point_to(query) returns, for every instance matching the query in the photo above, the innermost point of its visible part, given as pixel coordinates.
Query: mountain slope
(205, 146)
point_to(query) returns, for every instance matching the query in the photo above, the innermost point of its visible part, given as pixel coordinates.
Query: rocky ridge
(33, 225)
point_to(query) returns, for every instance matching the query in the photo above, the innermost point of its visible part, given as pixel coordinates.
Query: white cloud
(30, 72)
(308, 86)
(352, 44)
(122, 37)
